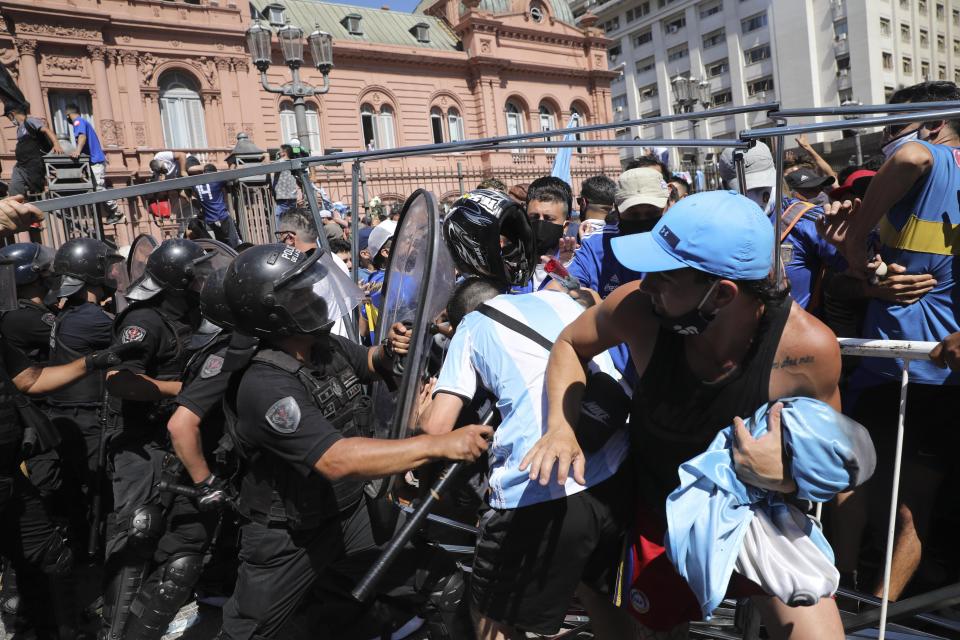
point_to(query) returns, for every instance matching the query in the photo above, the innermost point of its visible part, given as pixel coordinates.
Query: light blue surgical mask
(891, 147)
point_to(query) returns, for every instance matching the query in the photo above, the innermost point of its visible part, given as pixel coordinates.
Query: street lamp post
(687, 93)
(856, 132)
(259, 42)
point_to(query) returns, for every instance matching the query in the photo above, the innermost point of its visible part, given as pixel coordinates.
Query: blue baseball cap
(718, 232)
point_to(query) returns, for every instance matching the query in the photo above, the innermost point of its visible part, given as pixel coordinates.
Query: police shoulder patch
(48, 319)
(284, 415)
(211, 366)
(133, 333)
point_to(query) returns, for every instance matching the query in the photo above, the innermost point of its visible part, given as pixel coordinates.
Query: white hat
(379, 236)
(294, 142)
(325, 213)
(758, 168)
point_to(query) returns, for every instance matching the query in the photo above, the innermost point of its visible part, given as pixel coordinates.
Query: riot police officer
(27, 328)
(297, 416)
(195, 429)
(162, 316)
(90, 271)
(38, 549)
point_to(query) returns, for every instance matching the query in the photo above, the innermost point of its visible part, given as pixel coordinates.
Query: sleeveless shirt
(676, 415)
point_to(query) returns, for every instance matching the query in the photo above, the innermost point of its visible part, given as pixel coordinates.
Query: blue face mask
(891, 147)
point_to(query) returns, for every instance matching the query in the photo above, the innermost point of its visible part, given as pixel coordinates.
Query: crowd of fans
(866, 251)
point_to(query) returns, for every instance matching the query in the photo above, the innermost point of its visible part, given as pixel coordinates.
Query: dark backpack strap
(278, 359)
(514, 325)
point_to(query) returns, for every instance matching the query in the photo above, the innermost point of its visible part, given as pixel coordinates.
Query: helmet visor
(8, 287)
(66, 286)
(321, 294)
(115, 275)
(143, 289)
(213, 260)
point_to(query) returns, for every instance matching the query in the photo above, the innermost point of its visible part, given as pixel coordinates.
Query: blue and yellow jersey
(922, 233)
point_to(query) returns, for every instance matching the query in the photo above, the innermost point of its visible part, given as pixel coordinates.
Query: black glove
(112, 356)
(215, 493)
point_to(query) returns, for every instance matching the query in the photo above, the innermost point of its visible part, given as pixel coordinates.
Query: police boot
(160, 600)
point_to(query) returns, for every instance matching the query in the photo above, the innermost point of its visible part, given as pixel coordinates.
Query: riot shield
(140, 250)
(420, 278)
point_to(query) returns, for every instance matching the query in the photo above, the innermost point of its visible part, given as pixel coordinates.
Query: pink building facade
(160, 74)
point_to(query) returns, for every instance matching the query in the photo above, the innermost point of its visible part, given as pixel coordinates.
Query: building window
(275, 15)
(351, 23)
(455, 125)
(421, 32)
(941, 12)
(843, 65)
(645, 65)
(714, 38)
(619, 104)
(907, 66)
(956, 76)
(642, 38)
(58, 109)
(548, 122)
(924, 38)
(757, 54)
(674, 23)
(887, 93)
(576, 120)
(718, 68)
(288, 126)
(514, 119)
(905, 4)
(638, 12)
(753, 23)
(905, 33)
(885, 27)
(378, 127)
(887, 61)
(759, 86)
(181, 112)
(941, 72)
(922, 7)
(646, 115)
(956, 17)
(612, 24)
(845, 95)
(677, 53)
(924, 70)
(613, 53)
(722, 97)
(537, 12)
(956, 47)
(648, 91)
(436, 124)
(941, 43)
(710, 8)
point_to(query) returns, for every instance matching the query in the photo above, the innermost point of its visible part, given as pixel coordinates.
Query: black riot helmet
(87, 261)
(213, 301)
(489, 236)
(31, 262)
(275, 290)
(178, 267)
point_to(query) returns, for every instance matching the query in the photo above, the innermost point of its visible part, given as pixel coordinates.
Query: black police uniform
(63, 474)
(189, 531)
(38, 551)
(27, 329)
(283, 416)
(163, 326)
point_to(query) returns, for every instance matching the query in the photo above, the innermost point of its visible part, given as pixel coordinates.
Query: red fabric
(655, 593)
(160, 209)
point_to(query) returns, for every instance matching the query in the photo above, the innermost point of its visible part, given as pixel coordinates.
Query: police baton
(389, 555)
(96, 508)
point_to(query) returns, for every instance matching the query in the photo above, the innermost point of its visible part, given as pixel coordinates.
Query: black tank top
(676, 415)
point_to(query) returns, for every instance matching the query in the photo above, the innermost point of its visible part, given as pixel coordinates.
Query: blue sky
(396, 5)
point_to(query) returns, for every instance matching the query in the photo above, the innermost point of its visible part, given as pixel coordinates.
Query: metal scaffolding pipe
(859, 123)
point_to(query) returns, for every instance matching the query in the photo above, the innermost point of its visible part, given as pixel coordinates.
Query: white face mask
(891, 147)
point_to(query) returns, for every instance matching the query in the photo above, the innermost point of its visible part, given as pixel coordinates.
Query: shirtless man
(711, 339)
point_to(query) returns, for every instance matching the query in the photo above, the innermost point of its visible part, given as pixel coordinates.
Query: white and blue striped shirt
(512, 367)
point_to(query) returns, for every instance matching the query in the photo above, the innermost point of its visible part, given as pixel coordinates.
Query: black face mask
(630, 227)
(547, 235)
(691, 323)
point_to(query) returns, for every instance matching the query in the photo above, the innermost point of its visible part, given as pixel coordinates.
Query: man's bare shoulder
(808, 357)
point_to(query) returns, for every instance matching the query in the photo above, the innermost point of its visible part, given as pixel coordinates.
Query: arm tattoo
(793, 362)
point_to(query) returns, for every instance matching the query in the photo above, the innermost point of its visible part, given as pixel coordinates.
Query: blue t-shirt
(920, 234)
(91, 146)
(595, 266)
(485, 354)
(211, 201)
(810, 253)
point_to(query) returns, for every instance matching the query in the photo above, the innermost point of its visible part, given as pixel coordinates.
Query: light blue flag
(561, 163)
